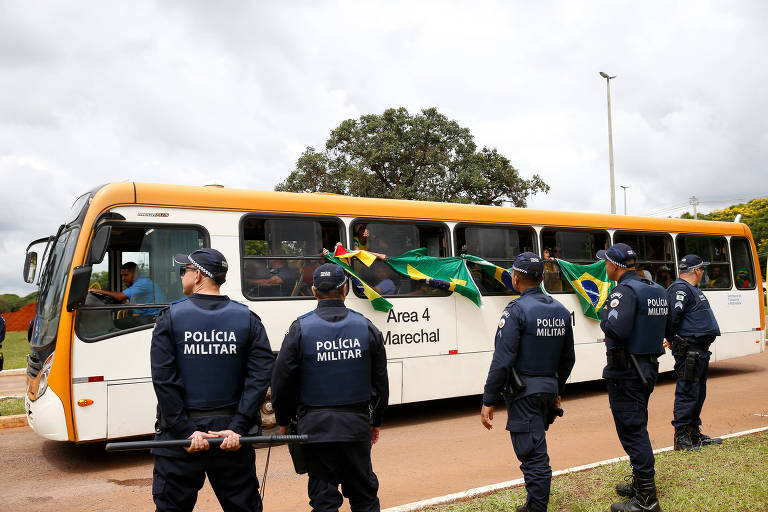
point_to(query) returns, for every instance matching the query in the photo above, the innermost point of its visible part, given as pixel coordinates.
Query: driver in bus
(139, 290)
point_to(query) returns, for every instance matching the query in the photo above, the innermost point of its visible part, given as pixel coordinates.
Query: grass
(729, 477)
(15, 349)
(11, 406)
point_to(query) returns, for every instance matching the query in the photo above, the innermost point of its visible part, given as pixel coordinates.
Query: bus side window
(743, 268)
(280, 254)
(573, 245)
(713, 249)
(655, 259)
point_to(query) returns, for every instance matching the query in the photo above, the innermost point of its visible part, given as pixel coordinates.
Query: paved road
(13, 385)
(426, 450)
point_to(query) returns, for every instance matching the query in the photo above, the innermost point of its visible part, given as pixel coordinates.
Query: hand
(375, 435)
(199, 442)
(667, 344)
(486, 416)
(283, 430)
(326, 252)
(559, 402)
(231, 442)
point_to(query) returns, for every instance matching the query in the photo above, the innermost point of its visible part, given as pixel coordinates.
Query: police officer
(633, 319)
(533, 358)
(332, 373)
(691, 329)
(211, 365)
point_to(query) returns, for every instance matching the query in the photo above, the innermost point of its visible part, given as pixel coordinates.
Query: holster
(554, 412)
(691, 361)
(617, 359)
(680, 344)
(296, 451)
(514, 384)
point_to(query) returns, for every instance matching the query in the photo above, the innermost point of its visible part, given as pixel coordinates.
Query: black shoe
(703, 439)
(627, 489)
(644, 500)
(522, 508)
(684, 441)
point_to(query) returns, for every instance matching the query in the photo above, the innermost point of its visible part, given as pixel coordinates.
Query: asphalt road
(426, 449)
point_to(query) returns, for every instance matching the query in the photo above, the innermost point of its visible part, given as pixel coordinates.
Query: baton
(214, 441)
(639, 371)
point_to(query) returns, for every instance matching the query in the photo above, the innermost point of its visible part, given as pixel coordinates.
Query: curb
(15, 371)
(480, 491)
(16, 420)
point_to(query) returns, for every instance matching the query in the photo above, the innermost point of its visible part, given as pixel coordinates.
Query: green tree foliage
(10, 302)
(425, 157)
(754, 214)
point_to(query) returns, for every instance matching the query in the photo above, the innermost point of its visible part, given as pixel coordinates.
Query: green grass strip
(11, 406)
(731, 476)
(15, 349)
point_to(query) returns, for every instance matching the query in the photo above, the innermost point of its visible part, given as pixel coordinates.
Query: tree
(754, 214)
(395, 155)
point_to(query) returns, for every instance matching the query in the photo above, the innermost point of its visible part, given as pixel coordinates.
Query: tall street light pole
(625, 187)
(610, 139)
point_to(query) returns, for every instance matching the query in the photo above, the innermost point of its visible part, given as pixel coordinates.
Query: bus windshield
(52, 286)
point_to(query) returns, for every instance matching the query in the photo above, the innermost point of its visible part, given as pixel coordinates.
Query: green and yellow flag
(591, 284)
(501, 274)
(446, 273)
(378, 302)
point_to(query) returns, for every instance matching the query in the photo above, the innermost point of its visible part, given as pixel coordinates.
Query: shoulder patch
(501, 323)
(678, 304)
(614, 303)
(617, 295)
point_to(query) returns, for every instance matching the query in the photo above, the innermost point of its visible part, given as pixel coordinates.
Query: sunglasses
(183, 270)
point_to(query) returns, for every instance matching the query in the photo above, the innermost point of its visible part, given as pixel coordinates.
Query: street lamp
(625, 197)
(610, 139)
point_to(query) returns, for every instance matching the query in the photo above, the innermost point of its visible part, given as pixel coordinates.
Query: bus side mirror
(78, 291)
(30, 267)
(99, 244)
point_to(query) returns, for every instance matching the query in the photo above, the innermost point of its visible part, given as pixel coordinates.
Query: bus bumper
(46, 416)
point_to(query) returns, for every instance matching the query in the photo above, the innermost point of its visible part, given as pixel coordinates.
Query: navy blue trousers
(690, 394)
(346, 464)
(176, 480)
(526, 425)
(629, 406)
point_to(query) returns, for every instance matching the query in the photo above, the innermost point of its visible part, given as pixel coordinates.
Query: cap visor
(181, 259)
(601, 254)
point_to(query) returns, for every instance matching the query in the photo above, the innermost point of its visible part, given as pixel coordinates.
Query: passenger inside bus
(281, 280)
(664, 276)
(716, 278)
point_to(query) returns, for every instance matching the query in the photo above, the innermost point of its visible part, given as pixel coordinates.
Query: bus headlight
(42, 383)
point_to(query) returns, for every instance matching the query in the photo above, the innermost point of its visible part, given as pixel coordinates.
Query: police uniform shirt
(326, 424)
(508, 336)
(683, 299)
(257, 359)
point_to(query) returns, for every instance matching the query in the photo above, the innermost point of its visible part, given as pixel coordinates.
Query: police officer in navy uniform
(533, 358)
(211, 366)
(691, 329)
(633, 319)
(332, 373)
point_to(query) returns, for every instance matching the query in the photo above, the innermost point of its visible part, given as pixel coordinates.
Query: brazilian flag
(591, 284)
(378, 302)
(445, 273)
(500, 274)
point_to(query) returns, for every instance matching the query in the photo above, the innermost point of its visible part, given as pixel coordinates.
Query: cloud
(185, 92)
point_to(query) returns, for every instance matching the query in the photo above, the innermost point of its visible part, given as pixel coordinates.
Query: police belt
(618, 359)
(361, 408)
(209, 413)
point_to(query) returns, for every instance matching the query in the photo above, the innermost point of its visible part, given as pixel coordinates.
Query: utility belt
(162, 424)
(361, 408)
(620, 359)
(692, 351)
(683, 345)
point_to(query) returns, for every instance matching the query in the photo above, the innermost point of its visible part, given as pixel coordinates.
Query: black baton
(639, 371)
(214, 441)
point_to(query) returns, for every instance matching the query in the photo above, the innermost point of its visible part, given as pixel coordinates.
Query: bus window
(713, 249)
(393, 239)
(138, 270)
(655, 257)
(572, 245)
(498, 244)
(743, 270)
(281, 254)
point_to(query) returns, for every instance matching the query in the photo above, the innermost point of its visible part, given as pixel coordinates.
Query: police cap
(530, 264)
(619, 254)
(209, 261)
(328, 277)
(691, 262)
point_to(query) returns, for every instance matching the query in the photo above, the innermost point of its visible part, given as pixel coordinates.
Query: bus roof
(217, 198)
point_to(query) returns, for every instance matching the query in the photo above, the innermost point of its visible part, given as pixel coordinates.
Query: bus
(88, 371)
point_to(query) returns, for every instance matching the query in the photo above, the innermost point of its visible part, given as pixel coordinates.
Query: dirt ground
(426, 450)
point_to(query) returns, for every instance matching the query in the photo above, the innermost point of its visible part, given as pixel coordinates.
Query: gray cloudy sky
(186, 92)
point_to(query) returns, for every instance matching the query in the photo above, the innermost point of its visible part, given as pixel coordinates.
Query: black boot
(644, 500)
(627, 489)
(683, 439)
(703, 439)
(522, 508)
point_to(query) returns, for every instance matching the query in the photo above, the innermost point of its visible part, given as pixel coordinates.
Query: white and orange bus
(88, 370)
